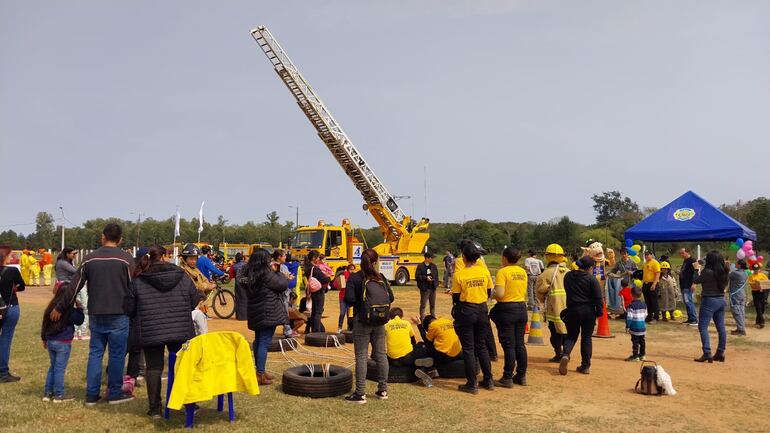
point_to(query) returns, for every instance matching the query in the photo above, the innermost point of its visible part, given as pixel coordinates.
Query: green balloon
(734, 247)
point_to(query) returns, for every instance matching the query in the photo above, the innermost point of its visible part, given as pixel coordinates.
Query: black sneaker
(47, 397)
(123, 398)
(505, 382)
(583, 370)
(356, 398)
(563, 365)
(9, 378)
(555, 359)
(91, 400)
(470, 389)
(520, 380)
(424, 377)
(155, 414)
(632, 358)
(63, 398)
(381, 395)
(488, 384)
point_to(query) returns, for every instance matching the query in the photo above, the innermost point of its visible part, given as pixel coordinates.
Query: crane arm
(379, 201)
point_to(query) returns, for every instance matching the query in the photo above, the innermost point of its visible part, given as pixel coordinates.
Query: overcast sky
(518, 110)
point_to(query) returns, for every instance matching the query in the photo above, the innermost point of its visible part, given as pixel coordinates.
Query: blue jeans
(613, 297)
(59, 352)
(262, 339)
(689, 302)
(712, 308)
(107, 330)
(6, 337)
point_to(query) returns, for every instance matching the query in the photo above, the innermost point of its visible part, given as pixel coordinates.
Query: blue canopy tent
(689, 218)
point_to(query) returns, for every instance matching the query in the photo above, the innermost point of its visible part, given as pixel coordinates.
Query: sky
(505, 110)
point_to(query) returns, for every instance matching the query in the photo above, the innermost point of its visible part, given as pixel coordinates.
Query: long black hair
(48, 326)
(716, 263)
(258, 267)
(368, 265)
(64, 255)
(312, 255)
(153, 256)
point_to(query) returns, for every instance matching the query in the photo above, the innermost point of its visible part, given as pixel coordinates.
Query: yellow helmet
(665, 265)
(554, 249)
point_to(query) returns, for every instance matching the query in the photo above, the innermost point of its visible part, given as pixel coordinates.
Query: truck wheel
(402, 277)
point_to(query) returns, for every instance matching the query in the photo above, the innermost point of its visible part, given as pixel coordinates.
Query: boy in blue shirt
(636, 313)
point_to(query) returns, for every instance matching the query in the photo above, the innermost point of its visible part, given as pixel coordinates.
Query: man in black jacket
(427, 281)
(107, 271)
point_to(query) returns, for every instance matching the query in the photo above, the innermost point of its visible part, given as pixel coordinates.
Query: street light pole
(61, 208)
(138, 227)
(296, 224)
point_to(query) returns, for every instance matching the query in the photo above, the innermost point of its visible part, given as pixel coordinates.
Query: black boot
(720, 356)
(704, 358)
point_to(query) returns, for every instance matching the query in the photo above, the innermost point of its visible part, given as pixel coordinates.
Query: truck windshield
(309, 239)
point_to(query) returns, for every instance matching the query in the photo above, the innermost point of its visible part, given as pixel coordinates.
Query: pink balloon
(761, 259)
(750, 253)
(740, 254)
(750, 243)
(747, 247)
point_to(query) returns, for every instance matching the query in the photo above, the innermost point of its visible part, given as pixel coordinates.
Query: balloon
(753, 258)
(677, 314)
(636, 259)
(748, 245)
(636, 248)
(739, 242)
(761, 259)
(734, 247)
(750, 253)
(740, 254)
(629, 243)
(638, 283)
(632, 253)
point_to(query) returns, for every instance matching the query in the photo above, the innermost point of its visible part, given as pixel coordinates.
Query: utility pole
(138, 227)
(296, 224)
(61, 208)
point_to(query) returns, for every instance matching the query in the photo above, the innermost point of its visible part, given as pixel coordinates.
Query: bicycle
(222, 299)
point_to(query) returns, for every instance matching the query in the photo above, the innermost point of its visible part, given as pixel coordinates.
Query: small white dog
(664, 381)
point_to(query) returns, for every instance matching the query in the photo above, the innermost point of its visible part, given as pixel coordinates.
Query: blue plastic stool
(190, 408)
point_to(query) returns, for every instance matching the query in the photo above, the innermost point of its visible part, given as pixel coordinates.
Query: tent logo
(684, 214)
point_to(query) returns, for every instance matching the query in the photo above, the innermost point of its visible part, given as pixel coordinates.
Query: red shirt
(342, 289)
(625, 293)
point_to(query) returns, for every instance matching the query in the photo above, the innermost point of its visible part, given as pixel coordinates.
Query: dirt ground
(718, 397)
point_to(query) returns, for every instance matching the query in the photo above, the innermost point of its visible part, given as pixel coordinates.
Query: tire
(454, 370)
(323, 339)
(297, 381)
(275, 345)
(348, 336)
(223, 303)
(402, 277)
(396, 374)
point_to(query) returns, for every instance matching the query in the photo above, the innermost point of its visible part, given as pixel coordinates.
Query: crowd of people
(142, 306)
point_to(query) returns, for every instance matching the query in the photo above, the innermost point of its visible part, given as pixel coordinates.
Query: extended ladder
(375, 195)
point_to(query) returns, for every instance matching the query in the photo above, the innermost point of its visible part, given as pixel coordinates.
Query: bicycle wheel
(223, 303)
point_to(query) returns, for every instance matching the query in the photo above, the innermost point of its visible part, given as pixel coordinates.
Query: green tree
(612, 205)
(45, 231)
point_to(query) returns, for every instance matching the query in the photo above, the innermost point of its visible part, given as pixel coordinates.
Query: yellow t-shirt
(472, 284)
(514, 280)
(753, 278)
(651, 268)
(442, 333)
(398, 334)
(460, 265)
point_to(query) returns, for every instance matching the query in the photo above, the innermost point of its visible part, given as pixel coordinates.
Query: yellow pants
(25, 275)
(34, 275)
(48, 274)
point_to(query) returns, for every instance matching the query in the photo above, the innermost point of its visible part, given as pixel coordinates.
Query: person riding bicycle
(189, 263)
(206, 265)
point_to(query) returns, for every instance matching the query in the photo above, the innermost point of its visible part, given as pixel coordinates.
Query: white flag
(200, 218)
(176, 224)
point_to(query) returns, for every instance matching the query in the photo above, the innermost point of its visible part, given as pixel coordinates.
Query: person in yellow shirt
(510, 316)
(459, 265)
(470, 291)
(440, 339)
(24, 267)
(759, 296)
(402, 347)
(650, 279)
(46, 264)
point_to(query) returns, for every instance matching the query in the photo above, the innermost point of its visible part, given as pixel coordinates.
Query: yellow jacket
(212, 364)
(549, 290)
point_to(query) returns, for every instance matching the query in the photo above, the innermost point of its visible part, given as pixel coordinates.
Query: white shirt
(533, 266)
(200, 321)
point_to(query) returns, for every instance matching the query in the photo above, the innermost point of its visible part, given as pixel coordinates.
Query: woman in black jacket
(10, 283)
(713, 280)
(266, 309)
(584, 305)
(311, 269)
(161, 300)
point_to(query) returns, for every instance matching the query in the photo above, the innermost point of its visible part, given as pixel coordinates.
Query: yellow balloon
(677, 314)
(636, 248)
(638, 283)
(636, 259)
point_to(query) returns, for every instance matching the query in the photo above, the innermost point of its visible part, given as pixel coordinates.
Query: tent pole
(699, 252)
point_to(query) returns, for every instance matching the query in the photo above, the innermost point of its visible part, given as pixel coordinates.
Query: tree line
(614, 214)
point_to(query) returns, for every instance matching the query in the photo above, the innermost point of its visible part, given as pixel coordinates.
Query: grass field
(712, 397)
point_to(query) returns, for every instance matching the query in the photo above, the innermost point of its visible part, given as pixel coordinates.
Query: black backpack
(648, 382)
(376, 311)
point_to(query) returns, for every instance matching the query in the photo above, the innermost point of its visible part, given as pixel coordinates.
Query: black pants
(511, 320)
(490, 340)
(638, 345)
(155, 357)
(760, 302)
(136, 363)
(439, 358)
(418, 351)
(241, 299)
(651, 299)
(557, 340)
(316, 325)
(472, 326)
(580, 319)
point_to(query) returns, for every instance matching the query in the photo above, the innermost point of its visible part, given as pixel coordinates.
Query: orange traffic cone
(535, 331)
(526, 328)
(603, 328)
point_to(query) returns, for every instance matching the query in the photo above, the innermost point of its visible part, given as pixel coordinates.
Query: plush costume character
(595, 250)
